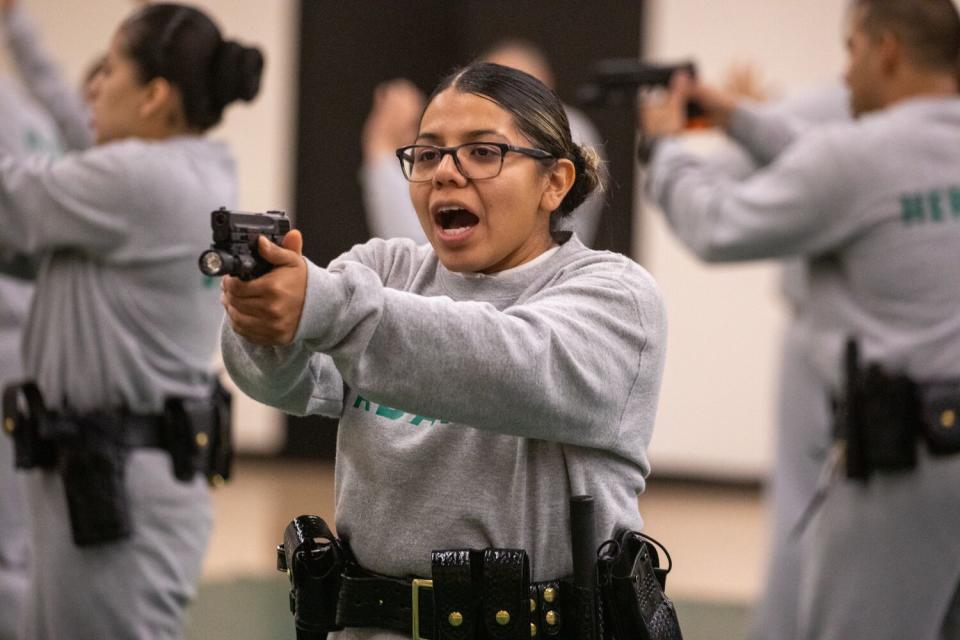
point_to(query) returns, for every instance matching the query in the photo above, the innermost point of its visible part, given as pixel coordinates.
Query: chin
(459, 262)
(457, 266)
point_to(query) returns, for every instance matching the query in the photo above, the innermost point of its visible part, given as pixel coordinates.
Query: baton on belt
(583, 537)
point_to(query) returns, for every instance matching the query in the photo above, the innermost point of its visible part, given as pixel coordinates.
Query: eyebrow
(470, 135)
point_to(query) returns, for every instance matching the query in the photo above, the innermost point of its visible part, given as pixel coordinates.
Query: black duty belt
(473, 594)
(135, 430)
(476, 595)
(90, 450)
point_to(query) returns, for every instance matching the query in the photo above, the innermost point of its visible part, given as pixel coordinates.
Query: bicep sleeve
(787, 209)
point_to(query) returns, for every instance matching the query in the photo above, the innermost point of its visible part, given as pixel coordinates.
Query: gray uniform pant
(882, 561)
(14, 543)
(802, 440)
(136, 589)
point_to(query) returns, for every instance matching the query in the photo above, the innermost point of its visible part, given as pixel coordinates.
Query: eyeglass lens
(475, 160)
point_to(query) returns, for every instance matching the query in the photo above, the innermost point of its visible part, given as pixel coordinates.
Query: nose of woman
(448, 173)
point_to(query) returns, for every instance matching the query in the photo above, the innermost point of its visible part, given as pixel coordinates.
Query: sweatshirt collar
(510, 283)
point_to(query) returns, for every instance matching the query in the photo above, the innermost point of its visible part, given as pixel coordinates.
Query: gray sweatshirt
(121, 315)
(874, 204)
(24, 130)
(472, 407)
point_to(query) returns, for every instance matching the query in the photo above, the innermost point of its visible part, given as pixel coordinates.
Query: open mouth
(454, 218)
(454, 223)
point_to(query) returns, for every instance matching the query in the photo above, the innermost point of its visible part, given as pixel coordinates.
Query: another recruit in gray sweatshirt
(472, 407)
(873, 204)
(121, 316)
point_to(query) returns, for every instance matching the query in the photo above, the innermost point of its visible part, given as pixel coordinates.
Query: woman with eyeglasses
(481, 380)
(122, 325)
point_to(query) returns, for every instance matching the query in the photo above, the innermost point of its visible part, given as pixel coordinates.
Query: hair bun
(589, 177)
(237, 70)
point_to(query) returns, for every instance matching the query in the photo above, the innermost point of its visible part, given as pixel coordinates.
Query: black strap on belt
(372, 600)
(140, 430)
(454, 595)
(134, 429)
(473, 595)
(30, 448)
(11, 403)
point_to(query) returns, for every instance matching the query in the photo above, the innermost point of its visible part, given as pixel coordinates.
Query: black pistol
(615, 82)
(234, 250)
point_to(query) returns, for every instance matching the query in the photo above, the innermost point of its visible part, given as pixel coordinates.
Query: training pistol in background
(615, 82)
(234, 250)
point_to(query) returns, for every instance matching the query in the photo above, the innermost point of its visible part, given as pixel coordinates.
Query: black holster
(88, 453)
(197, 434)
(314, 559)
(92, 462)
(632, 602)
(882, 417)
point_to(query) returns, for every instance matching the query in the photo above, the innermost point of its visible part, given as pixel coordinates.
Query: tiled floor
(716, 534)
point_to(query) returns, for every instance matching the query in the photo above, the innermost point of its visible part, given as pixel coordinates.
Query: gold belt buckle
(416, 585)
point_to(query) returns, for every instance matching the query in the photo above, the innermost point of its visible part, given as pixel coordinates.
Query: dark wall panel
(346, 48)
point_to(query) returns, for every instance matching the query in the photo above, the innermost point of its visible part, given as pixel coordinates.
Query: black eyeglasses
(475, 160)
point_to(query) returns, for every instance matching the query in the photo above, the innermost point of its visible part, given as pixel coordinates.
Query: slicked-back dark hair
(538, 114)
(929, 29)
(183, 45)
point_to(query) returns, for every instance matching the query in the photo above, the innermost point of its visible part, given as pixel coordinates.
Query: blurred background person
(844, 199)
(24, 129)
(803, 422)
(393, 122)
(803, 419)
(122, 322)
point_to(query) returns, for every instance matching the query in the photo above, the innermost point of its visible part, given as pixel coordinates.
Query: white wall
(262, 134)
(717, 407)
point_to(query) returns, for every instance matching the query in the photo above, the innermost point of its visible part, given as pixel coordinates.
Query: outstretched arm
(257, 338)
(575, 360)
(44, 78)
(765, 134)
